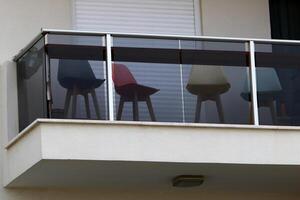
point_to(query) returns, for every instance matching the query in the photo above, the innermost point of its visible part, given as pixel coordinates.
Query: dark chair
(268, 91)
(130, 91)
(78, 78)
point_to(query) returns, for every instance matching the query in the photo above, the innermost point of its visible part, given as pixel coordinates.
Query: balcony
(179, 103)
(78, 75)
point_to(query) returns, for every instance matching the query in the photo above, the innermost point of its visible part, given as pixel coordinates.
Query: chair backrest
(122, 75)
(207, 75)
(76, 69)
(267, 81)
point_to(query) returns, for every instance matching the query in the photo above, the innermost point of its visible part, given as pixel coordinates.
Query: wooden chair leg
(74, 105)
(198, 109)
(282, 109)
(251, 117)
(120, 109)
(220, 109)
(135, 108)
(96, 105)
(273, 112)
(67, 103)
(87, 105)
(150, 108)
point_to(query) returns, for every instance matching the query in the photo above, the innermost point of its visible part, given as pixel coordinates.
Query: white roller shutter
(175, 17)
(139, 16)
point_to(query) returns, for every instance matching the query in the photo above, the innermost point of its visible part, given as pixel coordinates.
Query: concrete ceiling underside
(93, 174)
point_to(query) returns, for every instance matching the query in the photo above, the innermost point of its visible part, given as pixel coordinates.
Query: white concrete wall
(161, 142)
(59, 141)
(21, 20)
(236, 18)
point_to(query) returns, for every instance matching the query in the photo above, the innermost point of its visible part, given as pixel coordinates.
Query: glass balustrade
(123, 77)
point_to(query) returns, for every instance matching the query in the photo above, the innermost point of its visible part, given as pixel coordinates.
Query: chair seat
(208, 90)
(83, 84)
(262, 96)
(128, 91)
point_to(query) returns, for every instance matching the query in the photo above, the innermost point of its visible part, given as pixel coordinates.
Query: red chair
(130, 91)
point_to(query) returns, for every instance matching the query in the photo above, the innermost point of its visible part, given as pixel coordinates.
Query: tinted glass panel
(215, 79)
(31, 85)
(146, 71)
(181, 80)
(78, 77)
(278, 83)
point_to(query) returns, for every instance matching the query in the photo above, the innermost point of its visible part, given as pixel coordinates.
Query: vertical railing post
(47, 79)
(253, 82)
(110, 91)
(181, 85)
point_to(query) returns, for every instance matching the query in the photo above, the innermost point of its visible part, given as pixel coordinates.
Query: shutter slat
(174, 17)
(138, 16)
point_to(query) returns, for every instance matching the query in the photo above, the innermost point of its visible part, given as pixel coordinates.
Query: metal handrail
(23, 51)
(165, 36)
(142, 35)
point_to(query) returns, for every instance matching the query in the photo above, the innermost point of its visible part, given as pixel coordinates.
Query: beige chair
(208, 82)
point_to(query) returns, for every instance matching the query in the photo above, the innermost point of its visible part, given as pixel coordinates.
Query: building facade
(60, 146)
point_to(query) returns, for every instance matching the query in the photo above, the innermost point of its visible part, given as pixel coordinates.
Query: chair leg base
(217, 100)
(135, 108)
(150, 109)
(72, 95)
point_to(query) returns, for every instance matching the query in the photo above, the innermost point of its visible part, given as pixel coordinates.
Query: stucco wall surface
(21, 20)
(236, 18)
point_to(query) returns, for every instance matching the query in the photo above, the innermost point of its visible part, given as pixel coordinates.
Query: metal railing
(112, 50)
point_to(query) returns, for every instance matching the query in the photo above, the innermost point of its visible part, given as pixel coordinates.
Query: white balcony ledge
(67, 153)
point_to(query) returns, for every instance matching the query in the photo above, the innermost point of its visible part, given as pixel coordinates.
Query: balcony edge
(131, 123)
